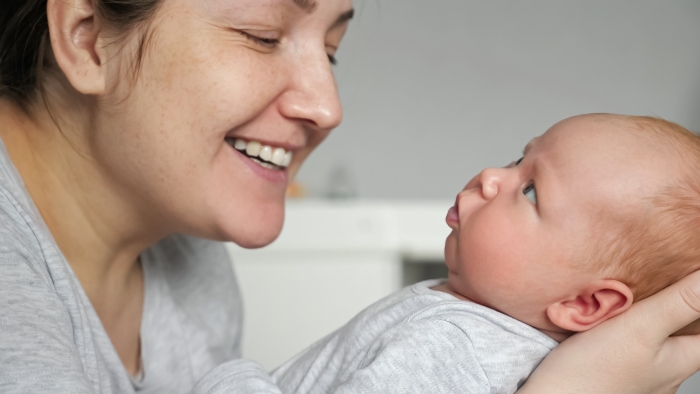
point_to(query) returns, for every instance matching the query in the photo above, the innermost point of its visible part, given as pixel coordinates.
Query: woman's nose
(313, 94)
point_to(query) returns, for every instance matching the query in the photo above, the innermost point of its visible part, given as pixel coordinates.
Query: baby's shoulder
(486, 328)
(505, 349)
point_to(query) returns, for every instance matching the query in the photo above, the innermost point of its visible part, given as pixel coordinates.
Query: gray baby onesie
(419, 341)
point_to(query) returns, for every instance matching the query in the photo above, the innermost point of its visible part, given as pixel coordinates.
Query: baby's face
(518, 230)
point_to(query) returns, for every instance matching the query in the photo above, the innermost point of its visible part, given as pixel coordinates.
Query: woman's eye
(332, 59)
(519, 160)
(530, 193)
(266, 42)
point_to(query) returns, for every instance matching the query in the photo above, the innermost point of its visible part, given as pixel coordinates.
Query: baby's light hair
(657, 249)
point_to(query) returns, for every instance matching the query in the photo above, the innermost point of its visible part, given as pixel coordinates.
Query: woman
(119, 120)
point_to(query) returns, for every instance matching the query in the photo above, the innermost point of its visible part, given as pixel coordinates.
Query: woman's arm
(630, 354)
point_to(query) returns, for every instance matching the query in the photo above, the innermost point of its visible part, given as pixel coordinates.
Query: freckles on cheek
(212, 76)
(239, 90)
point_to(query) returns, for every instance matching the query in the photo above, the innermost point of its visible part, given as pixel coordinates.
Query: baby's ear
(595, 304)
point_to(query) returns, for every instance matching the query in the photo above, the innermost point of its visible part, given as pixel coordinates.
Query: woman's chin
(251, 217)
(255, 241)
(254, 231)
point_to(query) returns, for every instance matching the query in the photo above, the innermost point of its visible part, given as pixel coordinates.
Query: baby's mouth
(273, 158)
(453, 215)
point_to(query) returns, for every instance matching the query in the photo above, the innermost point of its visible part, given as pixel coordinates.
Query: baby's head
(601, 211)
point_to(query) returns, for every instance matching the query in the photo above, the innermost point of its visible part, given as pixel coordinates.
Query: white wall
(435, 90)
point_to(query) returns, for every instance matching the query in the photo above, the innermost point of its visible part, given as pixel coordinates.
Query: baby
(602, 211)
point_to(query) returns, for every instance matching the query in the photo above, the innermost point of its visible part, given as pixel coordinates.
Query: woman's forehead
(252, 5)
(325, 9)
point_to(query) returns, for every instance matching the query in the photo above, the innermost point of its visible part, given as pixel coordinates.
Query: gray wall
(435, 90)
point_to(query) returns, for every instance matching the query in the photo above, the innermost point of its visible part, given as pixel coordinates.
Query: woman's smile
(269, 156)
(268, 162)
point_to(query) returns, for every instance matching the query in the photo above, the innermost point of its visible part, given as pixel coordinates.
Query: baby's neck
(446, 288)
(556, 335)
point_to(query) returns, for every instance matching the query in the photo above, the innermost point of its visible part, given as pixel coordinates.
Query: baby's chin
(457, 288)
(446, 288)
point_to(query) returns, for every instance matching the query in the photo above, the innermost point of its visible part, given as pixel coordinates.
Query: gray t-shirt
(419, 341)
(52, 341)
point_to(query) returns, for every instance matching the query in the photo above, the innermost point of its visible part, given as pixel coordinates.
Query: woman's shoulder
(29, 253)
(40, 307)
(19, 233)
(23, 265)
(18, 217)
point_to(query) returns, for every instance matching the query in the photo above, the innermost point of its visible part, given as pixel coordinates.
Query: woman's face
(215, 71)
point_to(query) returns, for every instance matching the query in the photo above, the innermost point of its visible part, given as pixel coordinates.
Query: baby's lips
(452, 218)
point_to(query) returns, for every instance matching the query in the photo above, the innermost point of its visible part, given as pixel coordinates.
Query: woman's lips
(275, 176)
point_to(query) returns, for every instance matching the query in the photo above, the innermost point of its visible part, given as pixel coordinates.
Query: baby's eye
(514, 163)
(530, 193)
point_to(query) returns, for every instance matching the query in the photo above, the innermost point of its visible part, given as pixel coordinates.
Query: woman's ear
(595, 304)
(75, 41)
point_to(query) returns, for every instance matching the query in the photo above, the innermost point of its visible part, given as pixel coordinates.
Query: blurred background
(433, 92)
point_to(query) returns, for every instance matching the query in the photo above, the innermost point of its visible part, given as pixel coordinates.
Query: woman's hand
(630, 354)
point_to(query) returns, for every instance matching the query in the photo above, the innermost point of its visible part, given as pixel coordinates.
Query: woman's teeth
(266, 156)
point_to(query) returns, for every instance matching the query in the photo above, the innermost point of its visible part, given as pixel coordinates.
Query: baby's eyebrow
(529, 146)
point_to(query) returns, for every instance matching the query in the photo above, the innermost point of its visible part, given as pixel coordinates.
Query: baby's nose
(490, 180)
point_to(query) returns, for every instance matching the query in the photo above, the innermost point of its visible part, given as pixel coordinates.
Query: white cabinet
(332, 260)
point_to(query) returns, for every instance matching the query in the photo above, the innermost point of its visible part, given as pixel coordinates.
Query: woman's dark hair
(24, 39)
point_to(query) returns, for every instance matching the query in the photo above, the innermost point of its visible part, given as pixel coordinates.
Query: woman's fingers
(667, 311)
(630, 354)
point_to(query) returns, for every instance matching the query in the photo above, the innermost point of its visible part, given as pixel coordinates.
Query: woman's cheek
(225, 94)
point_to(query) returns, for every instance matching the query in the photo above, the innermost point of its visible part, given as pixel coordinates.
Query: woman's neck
(99, 229)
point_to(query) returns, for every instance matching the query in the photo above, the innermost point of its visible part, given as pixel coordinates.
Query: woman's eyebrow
(344, 17)
(310, 5)
(306, 5)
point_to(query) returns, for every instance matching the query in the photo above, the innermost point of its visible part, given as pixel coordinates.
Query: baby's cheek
(497, 277)
(451, 255)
